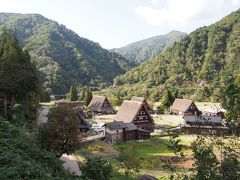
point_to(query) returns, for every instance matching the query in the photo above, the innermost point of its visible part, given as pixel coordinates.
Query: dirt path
(71, 164)
(42, 117)
(95, 137)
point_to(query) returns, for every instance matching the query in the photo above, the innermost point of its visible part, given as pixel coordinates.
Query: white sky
(115, 23)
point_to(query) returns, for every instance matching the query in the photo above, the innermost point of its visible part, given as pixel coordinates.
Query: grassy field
(149, 155)
(167, 121)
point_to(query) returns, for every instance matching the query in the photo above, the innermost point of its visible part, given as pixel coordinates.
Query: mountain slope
(209, 56)
(61, 56)
(143, 50)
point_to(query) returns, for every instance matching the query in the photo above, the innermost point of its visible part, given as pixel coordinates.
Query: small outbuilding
(100, 105)
(136, 113)
(184, 107)
(117, 132)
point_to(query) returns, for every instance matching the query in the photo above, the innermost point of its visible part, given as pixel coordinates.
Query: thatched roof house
(144, 101)
(100, 105)
(135, 112)
(70, 104)
(184, 107)
(116, 132)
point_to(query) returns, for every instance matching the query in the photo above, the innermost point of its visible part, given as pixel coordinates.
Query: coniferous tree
(88, 96)
(73, 93)
(82, 95)
(17, 73)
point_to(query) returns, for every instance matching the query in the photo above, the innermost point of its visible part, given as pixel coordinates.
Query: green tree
(17, 74)
(206, 162)
(166, 101)
(231, 102)
(73, 93)
(61, 133)
(22, 158)
(88, 96)
(82, 94)
(207, 166)
(97, 168)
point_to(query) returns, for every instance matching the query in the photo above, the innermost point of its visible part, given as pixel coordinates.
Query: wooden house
(116, 132)
(211, 125)
(136, 113)
(184, 107)
(144, 101)
(100, 105)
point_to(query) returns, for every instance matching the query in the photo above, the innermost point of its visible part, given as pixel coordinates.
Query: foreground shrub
(97, 169)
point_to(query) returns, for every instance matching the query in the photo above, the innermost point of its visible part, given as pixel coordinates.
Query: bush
(97, 169)
(22, 158)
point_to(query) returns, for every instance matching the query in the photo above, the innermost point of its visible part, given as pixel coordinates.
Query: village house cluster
(198, 122)
(133, 120)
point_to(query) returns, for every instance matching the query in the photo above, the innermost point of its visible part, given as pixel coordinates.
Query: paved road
(42, 117)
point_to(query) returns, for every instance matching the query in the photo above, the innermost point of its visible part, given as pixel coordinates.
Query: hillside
(61, 56)
(141, 51)
(22, 158)
(208, 57)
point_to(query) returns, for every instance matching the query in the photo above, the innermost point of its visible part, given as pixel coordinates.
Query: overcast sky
(115, 23)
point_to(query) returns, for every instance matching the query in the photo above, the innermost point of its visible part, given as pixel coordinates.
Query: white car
(97, 128)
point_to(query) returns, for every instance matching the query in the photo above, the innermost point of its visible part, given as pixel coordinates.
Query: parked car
(97, 128)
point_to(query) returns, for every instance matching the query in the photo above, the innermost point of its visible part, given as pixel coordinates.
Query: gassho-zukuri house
(194, 122)
(100, 105)
(136, 113)
(117, 132)
(184, 107)
(144, 101)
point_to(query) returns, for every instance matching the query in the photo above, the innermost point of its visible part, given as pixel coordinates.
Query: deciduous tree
(61, 133)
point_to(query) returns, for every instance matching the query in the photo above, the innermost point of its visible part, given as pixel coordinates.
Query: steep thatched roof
(70, 104)
(142, 100)
(138, 99)
(96, 104)
(181, 105)
(128, 111)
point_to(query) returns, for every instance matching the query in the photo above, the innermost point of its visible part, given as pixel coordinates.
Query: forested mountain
(203, 61)
(61, 56)
(141, 51)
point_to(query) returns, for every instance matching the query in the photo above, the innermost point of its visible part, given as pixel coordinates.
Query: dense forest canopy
(141, 51)
(201, 63)
(61, 56)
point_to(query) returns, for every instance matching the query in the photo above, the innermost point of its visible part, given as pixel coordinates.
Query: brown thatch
(144, 101)
(70, 104)
(129, 110)
(97, 105)
(181, 105)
